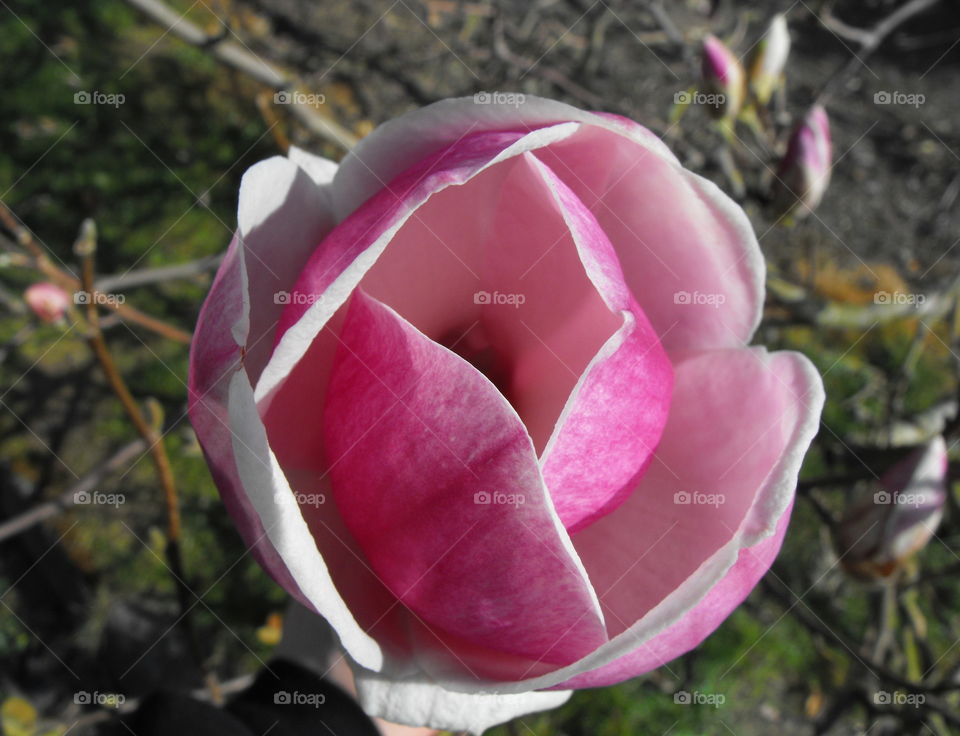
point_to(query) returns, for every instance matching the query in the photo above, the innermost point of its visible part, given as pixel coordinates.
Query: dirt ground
(893, 196)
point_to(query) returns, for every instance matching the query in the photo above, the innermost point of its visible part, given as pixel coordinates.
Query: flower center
(472, 344)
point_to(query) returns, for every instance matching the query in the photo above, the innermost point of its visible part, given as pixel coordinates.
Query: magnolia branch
(85, 248)
(87, 484)
(238, 57)
(39, 260)
(868, 39)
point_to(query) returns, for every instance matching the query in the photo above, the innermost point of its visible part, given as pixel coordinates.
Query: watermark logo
(295, 97)
(696, 498)
(499, 98)
(296, 297)
(94, 498)
(895, 97)
(683, 697)
(698, 298)
(688, 97)
(485, 297)
(283, 697)
(882, 697)
(108, 700)
(98, 98)
(884, 498)
(310, 499)
(486, 498)
(97, 297)
(899, 298)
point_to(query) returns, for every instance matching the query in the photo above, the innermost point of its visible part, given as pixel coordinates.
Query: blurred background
(141, 116)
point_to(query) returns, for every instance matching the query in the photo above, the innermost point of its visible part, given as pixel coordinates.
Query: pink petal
(668, 573)
(437, 481)
(342, 260)
(489, 270)
(282, 214)
(735, 415)
(634, 186)
(701, 621)
(613, 420)
(403, 142)
(760, 382)
(506, 231)
(688, 252)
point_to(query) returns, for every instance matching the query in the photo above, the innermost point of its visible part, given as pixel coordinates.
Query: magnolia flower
(722, 76)
(804, 171)
(769, 59)
(48, 301)
(481, 397)
(878, 534)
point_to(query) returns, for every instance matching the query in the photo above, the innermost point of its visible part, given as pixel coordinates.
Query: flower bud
(881, 532)
(723, 76)
(804, 171)
(769, 59)
(48, 301)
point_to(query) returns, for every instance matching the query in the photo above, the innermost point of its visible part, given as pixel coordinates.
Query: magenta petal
(701, 621)
(723, 478)
(615, 416)
(500, 237)
(230, 336)
(283, 212)
(341, 261)
(436, 478)
(215, 356)
(676, 233)
(688, 252)
(400, 144)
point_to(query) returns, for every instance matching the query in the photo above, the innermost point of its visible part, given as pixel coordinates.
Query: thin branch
(869, 39)
(237, 57)
(815, 625)
(85, 247)
(88, 483)
(68, 282)
(506, 54)
(145, 276)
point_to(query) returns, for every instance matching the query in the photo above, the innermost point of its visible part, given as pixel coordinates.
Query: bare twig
(238, 57)
(815, 625)
(67, 281)
(85, 247)
(503, 52)
(88, 483)
(869, 39)
(660, 14)
(154, 275)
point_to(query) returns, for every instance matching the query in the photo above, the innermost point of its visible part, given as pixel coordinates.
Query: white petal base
(423, 703)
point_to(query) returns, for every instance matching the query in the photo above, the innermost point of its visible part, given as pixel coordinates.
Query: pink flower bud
(882, 531)
(382, 362)
(769, 59)
(48, 301)
(723, 76)
(804, 172)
